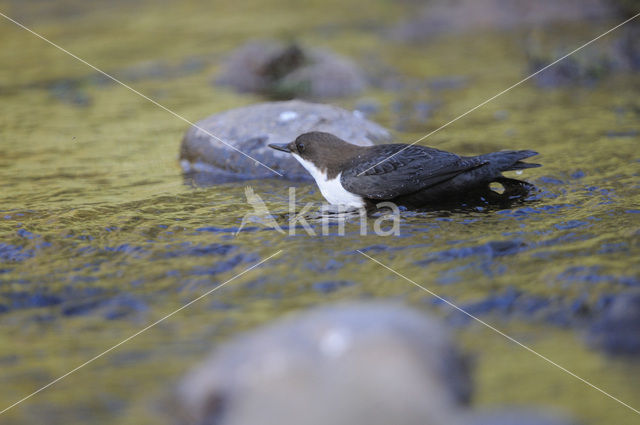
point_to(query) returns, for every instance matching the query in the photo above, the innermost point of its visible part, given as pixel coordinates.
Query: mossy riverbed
(100, 234)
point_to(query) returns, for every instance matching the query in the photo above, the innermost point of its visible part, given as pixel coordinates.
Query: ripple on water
(115, 307)
(492, 249)
(14, 253)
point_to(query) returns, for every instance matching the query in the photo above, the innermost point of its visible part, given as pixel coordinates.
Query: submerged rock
(250, 129)
(347, 364)
(617, 55)
(438, 17)
(542, 43)
(617, 332)
(285, 71)
(117, 307)
(627, 49)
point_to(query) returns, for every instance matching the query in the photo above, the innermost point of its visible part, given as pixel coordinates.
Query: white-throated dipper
(410, 175)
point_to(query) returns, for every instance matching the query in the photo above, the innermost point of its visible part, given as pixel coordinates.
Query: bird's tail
(510, 160)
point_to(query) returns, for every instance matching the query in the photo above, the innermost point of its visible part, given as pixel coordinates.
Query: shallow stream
(101, 235)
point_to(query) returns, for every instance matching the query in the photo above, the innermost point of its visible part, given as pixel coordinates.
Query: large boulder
(250, 129)
(361, 363)
(350, 364)
(286, 71)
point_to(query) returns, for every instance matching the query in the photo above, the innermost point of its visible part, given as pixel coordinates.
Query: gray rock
(249, 129)
(286, 71)
(617, 331)
(326, 75)
(367, 107)
(349, 364)
(438, 17)
(613, 56)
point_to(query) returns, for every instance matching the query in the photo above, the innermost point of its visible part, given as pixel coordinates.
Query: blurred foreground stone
(250, 129)
(347, 364)
(286, 71)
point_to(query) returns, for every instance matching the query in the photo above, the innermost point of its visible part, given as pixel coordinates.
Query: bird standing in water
(408, 175)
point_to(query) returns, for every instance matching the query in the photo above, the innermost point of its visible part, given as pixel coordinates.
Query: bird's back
(417, 176)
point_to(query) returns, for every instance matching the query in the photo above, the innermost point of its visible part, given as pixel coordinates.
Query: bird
(408, 175)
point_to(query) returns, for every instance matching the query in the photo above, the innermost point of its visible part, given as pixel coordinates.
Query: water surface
(100, 234)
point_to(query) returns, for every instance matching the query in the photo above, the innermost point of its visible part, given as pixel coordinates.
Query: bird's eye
(300, 147)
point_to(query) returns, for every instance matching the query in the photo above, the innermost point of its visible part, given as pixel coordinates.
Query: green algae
(86, 164)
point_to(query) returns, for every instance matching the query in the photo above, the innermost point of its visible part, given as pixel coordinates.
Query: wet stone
(250, 129)
(287, 71)
(371, 363)
(617, 331)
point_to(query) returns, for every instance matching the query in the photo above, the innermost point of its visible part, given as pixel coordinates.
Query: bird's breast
(331, 189)
(336, 194)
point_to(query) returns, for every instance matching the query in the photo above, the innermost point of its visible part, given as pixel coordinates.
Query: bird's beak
(280, 147)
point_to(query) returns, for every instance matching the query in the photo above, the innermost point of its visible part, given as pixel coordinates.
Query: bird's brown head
(326, 151)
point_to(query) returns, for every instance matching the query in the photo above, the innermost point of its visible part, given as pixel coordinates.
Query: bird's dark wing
(411, 169)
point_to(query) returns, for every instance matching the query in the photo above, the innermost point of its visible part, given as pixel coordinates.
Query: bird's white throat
(331, 189)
